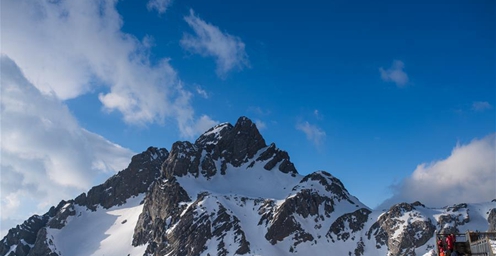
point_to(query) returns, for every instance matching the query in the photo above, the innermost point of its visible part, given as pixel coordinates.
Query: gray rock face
(314, 211)
(284, 224)
(307, 202)
(240, 144)
(23, 235)
(492, 220)
(402, 236)
(143, 170)
(160, 211)
(30, 237)
(42, 245)
(276, 156)
(454, 217)
(66, 209)
(348, 225)
(234, 145)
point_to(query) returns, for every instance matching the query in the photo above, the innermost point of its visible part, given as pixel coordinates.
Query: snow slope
(102, 232)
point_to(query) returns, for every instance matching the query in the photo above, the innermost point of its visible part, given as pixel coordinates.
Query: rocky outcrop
(402, 229)
(455, 216)
(161, 210)
(349, 225)
(315, 197)
(66, 209)
(189, 229)
(30, 237)
(23, 236)
(184, 214)
(284, 224)
(492, 220)
(274, 156)
(43, 246)
(143, 170)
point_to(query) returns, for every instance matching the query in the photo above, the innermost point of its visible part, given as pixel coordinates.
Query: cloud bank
(468, 175)
(395, 74)
(46, 155)
(227, 50)
(53, 51)
(69, 48)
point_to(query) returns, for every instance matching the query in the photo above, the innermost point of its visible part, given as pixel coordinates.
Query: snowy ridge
(98, 232)
(231, 194)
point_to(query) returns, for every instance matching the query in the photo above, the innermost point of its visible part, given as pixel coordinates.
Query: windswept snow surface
(103, 232)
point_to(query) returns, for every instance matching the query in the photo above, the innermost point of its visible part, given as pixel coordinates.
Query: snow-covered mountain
(231, 194)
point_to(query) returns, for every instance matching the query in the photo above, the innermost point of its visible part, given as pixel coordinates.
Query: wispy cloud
(159, 5)
(313, 133)
(74, 47)
(259, 111)
(46, 155)
(395, 74)
(202, 92)
(228, 51)
(317, 114)
(481, 106)
(260, 124)
(467, 175)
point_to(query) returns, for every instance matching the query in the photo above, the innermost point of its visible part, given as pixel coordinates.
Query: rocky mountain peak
(236, 144)
(224, 145)
(228, 193)
(143, 170)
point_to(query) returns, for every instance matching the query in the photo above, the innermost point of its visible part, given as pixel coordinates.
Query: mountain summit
(229, 193)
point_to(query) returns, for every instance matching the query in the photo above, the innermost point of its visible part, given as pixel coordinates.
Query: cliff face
(230, 193)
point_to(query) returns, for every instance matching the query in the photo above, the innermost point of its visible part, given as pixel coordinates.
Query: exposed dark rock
(60, 218)
(402, 237)
(42, 245)
(26, 236)
(184, 158)
(23, 235)
(277, 156)
(454, 217)
(143, 170)
(360, 249)
(189, 235)
(354, 222)
(305, 203)
(240, 144)
(331, 184)
(196, 226)
(160, 211)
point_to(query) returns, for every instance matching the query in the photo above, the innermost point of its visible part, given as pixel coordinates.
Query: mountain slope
(231, 194)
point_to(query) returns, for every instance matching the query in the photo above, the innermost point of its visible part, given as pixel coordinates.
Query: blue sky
(385, 96)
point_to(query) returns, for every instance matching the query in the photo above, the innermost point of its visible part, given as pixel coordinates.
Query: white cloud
(204, 123)
(395, 74)
(202, 92)
(481, 106)
(468, 175)
(159, 5)
(313, 133)
(46, 155)
(69, 48)
(228, 51)
(260, 124)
